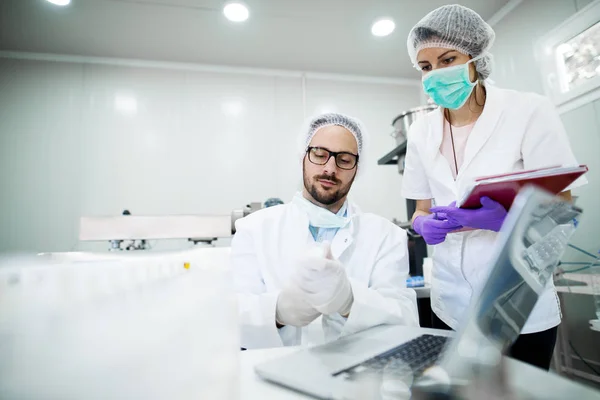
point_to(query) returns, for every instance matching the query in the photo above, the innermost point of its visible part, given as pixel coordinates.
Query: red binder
(504, 188)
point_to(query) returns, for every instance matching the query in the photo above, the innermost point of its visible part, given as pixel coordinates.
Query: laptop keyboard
(418, 354)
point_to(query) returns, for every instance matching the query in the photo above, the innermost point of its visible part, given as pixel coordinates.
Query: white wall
(193, 142)
(516, 67)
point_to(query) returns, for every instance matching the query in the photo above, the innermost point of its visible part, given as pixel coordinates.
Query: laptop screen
(532, 240)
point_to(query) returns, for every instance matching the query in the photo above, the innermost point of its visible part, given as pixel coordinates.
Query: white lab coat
(516, 131)
(373, 251)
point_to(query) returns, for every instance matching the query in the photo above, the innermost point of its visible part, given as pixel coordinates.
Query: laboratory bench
(530, 382)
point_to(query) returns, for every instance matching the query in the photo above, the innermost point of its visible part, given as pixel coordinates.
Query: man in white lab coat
(317, 268)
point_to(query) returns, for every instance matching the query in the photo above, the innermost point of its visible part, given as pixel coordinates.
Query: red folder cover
(504, 188)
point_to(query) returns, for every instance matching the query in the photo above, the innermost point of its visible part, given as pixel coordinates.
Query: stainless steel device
(417, 246)
(403, 121)
(241, 213)
(135, 230)
(401, 126)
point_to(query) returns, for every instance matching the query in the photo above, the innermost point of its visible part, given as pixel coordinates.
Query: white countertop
(527, 379)
(585, 278)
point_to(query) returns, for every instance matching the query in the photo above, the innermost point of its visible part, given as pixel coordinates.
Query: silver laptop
(531, 242)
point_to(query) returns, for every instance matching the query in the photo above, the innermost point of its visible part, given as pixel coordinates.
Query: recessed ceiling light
(236, 12)
(383, 27)
(126, 104)
(232, 108)
(59, 2)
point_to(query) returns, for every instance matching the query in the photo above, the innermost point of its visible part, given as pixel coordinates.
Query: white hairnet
(352, 124)
(454, 27)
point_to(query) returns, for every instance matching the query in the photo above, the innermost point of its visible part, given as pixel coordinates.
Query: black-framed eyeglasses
(321, 156)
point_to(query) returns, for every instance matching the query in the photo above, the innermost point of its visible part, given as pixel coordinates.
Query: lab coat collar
(485, 125)
(434, 154)
(301, 234)
(344, 236)
(295, 237)
(482, 130)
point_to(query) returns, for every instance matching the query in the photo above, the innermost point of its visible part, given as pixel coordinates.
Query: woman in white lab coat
(478, 130)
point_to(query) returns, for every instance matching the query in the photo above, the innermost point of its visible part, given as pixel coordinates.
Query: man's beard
(323, 196)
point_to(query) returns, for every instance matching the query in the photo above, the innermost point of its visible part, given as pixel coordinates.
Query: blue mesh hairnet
(454, 27)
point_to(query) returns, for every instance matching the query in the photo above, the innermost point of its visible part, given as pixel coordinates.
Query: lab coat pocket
(446, 276)
(478, 254)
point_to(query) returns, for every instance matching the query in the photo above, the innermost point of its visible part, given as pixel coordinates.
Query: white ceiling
(330, 36)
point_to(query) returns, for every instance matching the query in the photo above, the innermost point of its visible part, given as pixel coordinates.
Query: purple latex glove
(490, 216)
(433, 230)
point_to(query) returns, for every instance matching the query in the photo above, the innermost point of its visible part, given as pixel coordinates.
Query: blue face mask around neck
(319, 217)
(449, 87)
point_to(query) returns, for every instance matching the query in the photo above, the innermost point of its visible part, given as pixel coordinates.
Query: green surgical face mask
(449, 87)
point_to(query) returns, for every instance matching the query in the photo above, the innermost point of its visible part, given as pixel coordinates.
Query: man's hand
(293, 308)
(324, 282)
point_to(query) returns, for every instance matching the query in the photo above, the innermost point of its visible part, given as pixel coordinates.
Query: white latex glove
(324, 282)
(293, 308)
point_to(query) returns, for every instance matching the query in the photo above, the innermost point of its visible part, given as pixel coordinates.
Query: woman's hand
(490, 216)
(433, 230)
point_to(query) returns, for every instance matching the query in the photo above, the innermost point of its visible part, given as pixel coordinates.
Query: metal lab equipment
(403, 121)
(401, 126)
(417, 248)
(204, 229)
(247, 210)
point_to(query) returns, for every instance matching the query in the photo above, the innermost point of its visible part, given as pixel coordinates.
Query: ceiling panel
(330, 36)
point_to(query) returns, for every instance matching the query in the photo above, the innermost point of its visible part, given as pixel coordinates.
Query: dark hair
(422, 34)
